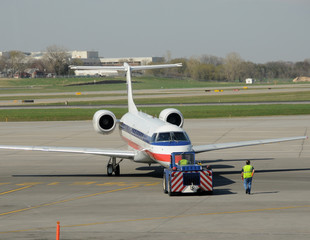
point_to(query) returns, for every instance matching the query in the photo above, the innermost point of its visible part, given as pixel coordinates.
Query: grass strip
(46, 85)
(256, 97)
(71, 114)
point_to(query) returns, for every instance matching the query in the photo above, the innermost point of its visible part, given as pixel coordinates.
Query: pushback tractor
(184, 175)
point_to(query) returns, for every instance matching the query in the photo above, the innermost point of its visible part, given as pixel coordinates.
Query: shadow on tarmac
(233, 160)
(255, 193)
(219, 179)
(266, 171)
(153, 171)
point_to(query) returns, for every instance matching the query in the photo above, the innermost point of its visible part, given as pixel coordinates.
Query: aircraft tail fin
(131, 105)
(128, 69)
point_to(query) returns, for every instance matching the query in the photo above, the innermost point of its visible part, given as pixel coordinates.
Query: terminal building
(92, 58)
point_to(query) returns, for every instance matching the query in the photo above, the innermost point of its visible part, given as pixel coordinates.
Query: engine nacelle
(104, 121)
(173, 116)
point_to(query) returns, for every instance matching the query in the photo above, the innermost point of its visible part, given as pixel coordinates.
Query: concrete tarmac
(71, 97)
(40, 188)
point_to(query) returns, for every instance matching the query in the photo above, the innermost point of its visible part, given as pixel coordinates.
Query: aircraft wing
(95, 151)
(219, 146)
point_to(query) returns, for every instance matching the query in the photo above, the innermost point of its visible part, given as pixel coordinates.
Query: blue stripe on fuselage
(171, 143)
(136, 133)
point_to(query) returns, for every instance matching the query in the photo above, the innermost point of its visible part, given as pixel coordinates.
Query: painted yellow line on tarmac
(121, 184)
(5, 183)
(65, 200)
(86, 183)
(152, 184)
(53, 183)
(83, 183)
(29, 183)
(15, 190)
(158, 218)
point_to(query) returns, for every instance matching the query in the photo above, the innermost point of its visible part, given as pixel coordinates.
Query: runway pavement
(40, 188)
(71, 97)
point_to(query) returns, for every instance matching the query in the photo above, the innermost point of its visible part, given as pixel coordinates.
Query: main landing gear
(113, 167)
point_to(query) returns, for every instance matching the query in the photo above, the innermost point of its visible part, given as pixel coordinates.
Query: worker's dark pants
(247, 184)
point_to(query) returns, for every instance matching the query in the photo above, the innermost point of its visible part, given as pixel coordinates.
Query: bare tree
(38, 64)
(57, 59)
(15, 62)
(3, 66)
(233, 63)
(210, 59)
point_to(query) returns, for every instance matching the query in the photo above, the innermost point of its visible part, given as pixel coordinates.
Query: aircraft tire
(117, 170)
(110, 169)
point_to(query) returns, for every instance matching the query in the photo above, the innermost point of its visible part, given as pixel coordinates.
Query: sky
(258, 30)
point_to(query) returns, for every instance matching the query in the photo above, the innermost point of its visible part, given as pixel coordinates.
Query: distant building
(4, 54)
(30, 73)
(249, 81)
(36, 55)
(84, 54)
(88, 58)
(92, 58)
(131, 60)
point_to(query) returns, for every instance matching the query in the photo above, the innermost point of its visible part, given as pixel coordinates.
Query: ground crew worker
(183, 162)
(247, 176)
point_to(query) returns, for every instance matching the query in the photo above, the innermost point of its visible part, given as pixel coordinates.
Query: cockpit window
(163, 137)
(179, 136)
(171, 136)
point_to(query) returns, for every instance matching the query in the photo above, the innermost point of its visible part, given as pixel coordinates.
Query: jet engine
(173, 116)
(104, 121)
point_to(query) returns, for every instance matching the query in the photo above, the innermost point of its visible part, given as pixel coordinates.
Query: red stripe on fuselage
(164, 158)
(132, 144)
(160, 157)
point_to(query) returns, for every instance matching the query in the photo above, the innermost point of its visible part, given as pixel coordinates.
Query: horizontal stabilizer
(125, 67)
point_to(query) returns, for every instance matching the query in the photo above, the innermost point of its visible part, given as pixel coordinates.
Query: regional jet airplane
(150, 139)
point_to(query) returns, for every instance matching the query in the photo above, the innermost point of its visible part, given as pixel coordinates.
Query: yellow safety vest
(247, 171)
(183, 162)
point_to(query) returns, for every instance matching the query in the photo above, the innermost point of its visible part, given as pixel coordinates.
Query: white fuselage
(153, 138)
